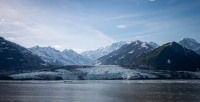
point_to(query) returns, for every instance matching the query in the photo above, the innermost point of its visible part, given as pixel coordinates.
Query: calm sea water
(100, 91)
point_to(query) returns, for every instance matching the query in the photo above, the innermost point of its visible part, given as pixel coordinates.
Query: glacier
(103, 72)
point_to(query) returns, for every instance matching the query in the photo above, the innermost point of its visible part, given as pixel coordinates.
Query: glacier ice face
(101, 72)
(104, 72)
(46, 75)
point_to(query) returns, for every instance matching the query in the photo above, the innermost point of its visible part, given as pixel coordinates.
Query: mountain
(124, 55)
(170, 56)
(49, 55)
(191, 44)
(14, 57)
(93, 55)
(77, 58)
(56, 57)
(153, 44)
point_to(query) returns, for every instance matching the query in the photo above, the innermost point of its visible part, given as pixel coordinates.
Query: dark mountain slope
(14, 56)
(170, 56)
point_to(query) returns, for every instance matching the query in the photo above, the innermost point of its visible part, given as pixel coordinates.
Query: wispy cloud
(16, 25)
(57, 47)
(121, 26)
(120, 17)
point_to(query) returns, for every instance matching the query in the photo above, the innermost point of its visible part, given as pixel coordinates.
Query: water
(100, 91)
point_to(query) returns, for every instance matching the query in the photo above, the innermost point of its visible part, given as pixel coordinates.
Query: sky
(90, 24)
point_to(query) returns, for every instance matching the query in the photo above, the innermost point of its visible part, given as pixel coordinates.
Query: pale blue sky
(89, 24)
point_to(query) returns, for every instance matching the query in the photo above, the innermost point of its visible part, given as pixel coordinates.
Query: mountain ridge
(125, 54)
(95, 54)
(56, 57)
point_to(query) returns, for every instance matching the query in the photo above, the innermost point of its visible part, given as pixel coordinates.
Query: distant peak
(69, 50)
(138, 41)
(134, 42)
(190, 40)
(49, 47)
(173, 43)
(151, 42)
(36, 46)
(66, 50)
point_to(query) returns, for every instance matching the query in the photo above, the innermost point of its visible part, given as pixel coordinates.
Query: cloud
(3, 20)
(28, 27)
(121, 26)
(57, 46)
(78, 50)
(120, 17)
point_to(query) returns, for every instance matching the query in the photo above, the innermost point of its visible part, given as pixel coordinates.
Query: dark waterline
(101, 91)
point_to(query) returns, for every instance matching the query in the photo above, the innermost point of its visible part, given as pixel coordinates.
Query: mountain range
(94, 55)
(170, 56)
(125, 54)
(56, 57)
(134, 54)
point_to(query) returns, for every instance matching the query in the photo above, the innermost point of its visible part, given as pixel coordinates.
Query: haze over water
(100, 91)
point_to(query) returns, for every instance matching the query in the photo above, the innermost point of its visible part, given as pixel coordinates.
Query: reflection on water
(100, 91)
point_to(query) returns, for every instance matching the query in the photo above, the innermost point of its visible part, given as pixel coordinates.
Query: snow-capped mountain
(191, 44)
(170, 56)
(93, 55)
(124, 55)
(56, 57)
(16, 57)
